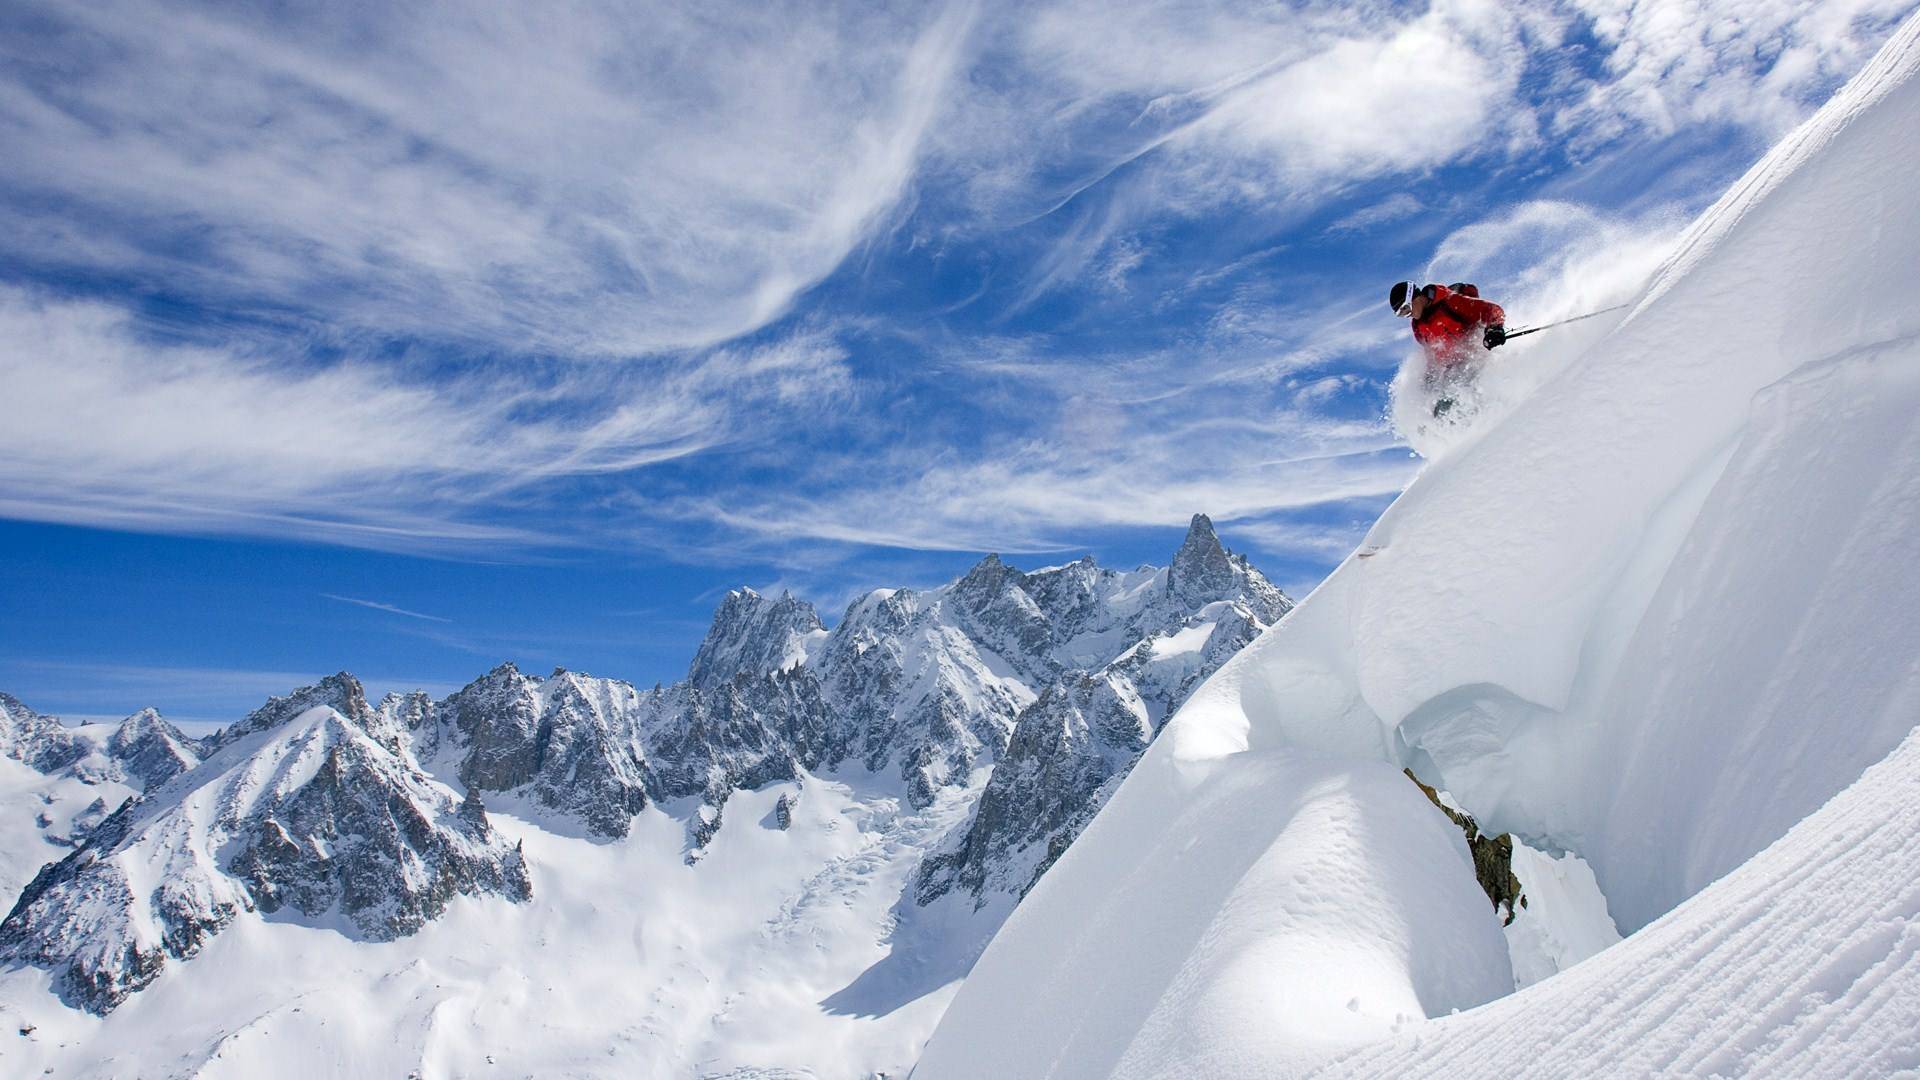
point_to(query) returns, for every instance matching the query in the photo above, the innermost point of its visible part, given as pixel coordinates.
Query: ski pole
(1511, 334)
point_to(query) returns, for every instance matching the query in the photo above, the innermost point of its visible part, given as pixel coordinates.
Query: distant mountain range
(370, 818)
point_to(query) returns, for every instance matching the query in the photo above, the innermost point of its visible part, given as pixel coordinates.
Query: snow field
(625, 962)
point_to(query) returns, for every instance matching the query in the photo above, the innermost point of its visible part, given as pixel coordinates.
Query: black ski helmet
(1400, 298)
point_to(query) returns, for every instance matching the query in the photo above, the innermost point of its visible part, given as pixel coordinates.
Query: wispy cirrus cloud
(113, 428)
(599, 179)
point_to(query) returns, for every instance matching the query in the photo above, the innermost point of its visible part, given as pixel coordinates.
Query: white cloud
(107, 427)
(1228, 426)
(551, 186)
(593, 179)
(1755, 63)
(1392, 208)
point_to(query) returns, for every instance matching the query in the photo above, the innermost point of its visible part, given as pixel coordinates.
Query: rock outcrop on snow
(1492, 856)
(303, 805)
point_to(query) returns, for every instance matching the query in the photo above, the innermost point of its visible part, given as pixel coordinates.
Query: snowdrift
(1658, 616)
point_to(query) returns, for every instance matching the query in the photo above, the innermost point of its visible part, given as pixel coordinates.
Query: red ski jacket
(1450, 330)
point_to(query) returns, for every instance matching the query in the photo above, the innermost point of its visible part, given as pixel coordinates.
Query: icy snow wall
(1659, 615)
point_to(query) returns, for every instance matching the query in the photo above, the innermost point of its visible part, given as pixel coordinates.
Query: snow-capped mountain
(1657, 619)
(1071, 747)
(73, 777)
(41, 743)
(867, 747)
(150, 750)
(308, 804)
(754, 636)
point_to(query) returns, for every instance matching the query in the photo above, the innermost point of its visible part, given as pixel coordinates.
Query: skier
(1454, 326)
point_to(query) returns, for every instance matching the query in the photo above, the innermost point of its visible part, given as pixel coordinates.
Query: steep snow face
(1801, 962)
(1272, 907)
(309, 812)
(1650, 616)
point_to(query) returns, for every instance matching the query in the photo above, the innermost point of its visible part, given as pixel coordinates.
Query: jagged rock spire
(753, 635)
(1204, 571)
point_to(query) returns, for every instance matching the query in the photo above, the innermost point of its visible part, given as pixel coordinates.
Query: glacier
(1662, 613)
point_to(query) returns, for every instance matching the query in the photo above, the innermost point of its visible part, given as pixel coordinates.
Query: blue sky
(406, 341)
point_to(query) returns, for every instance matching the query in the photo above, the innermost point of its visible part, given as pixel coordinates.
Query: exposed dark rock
(701, 829)
(340, 692)
(1492, 857)
(495, 721)
(1068, 746)
(1204, 571)
(150, 750)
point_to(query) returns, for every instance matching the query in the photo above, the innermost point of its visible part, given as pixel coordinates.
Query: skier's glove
(1496, 336)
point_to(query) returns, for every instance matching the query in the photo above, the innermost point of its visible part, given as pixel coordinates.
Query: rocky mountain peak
(987, 579)
(753, 634)
(320, 817)
(40, 742)
(340, 692)
(1204, 571)
(152, 750)
(1202, 563)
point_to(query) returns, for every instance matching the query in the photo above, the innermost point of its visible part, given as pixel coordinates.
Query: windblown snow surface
(1662, 614)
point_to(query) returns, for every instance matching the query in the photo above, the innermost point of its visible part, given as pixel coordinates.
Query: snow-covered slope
(57, 783)
(1799, 963)
(1657, 615)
